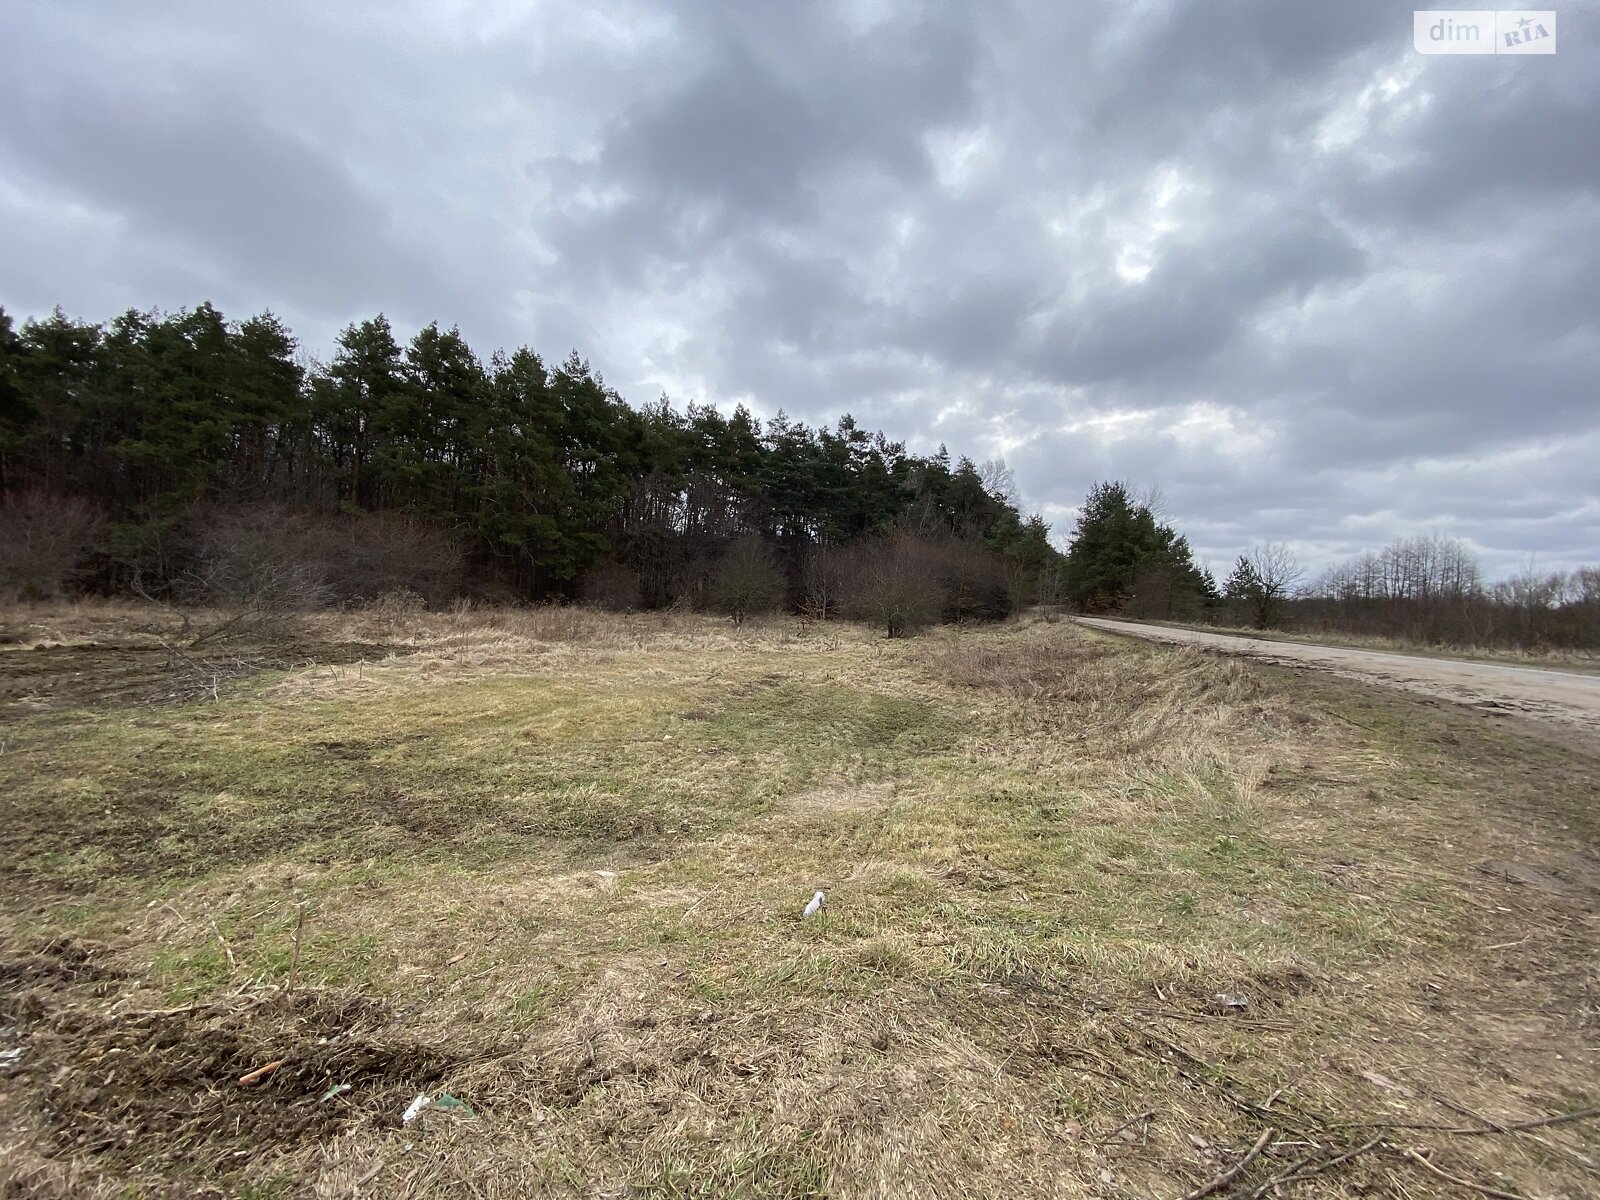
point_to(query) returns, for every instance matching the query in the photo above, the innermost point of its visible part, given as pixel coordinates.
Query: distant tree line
(191, 457)
(1431, 590)
(1428, 590)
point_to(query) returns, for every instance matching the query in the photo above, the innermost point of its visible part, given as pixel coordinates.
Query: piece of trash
(446, 1100)
(260, 1073)
(666, 737)
(10, 1058)
(415, 1109)
(337, 1089)
(1233, 1000)
(813, 908)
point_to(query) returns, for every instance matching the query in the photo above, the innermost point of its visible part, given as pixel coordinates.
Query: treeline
(189, 456)
(1432, 590)
(1427, 590)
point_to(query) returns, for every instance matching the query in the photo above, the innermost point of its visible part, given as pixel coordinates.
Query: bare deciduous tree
(747, 580)
(824, 580)
(1264, 579)
(1000, 481)
(894, 583)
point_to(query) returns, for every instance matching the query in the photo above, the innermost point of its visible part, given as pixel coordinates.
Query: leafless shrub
(976, 587)
(1051, 589)
(400, 602)
(365, 557)
(747, 581)
(396, 610)
(254, 569)
(45, 541)
(258, 560)
(1022, 588)
(611, 586)
(895, 582)
(824, 581)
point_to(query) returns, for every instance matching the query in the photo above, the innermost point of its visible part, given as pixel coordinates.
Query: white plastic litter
(813, 908)
(415, 1111)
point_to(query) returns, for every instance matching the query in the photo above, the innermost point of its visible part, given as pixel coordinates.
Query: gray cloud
(1319, 287)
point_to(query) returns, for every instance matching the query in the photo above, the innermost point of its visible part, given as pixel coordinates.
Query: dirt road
(1565, 699)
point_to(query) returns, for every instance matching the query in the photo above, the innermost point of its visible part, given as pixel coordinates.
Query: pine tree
(1115, 542)
(16, 413)
(362, 406)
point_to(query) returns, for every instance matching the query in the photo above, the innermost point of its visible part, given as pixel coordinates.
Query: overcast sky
(1318, 287)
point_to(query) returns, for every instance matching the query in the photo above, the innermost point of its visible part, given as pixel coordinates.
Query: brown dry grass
(553, 862)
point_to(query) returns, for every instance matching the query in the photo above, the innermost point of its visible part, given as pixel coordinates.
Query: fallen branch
(1233, 1172)
(1582, 1114)
(1482, 1188)
(1230, 1018)
(1137, 1117)
(233, 967)
(1225, 1085)
(1492, 1126)
(1306, 1168)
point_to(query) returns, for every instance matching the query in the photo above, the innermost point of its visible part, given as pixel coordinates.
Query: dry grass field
(1102, 918)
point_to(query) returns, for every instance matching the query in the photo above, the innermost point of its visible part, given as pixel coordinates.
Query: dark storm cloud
(1319, 287)
(1195, 298)
(260, 203)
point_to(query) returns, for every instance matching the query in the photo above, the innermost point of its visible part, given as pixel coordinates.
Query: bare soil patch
(131, 1090)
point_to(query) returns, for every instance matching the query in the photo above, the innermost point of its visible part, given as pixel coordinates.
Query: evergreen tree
(362, 405)
(16, 413)
(1115, 541)
(271, 418)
